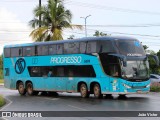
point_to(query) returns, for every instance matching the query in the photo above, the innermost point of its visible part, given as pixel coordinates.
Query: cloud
(12, 30)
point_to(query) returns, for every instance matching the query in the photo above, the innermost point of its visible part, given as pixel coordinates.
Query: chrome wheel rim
(83, 91)
(96, 91)
(21, 88)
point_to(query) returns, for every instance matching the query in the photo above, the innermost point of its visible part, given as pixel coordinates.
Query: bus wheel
(84, 91)
(21, 88)
(97, 91)
(30, 89)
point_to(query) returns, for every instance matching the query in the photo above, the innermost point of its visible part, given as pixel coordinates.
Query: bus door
(61, 79)
(114, 78)
(114, 84)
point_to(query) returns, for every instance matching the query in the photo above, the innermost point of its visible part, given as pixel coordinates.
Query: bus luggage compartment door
(61, 84)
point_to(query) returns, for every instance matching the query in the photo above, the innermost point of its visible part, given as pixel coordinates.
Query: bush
(155, 87)
(2, 101)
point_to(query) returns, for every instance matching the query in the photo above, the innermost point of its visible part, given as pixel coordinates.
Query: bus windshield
(130, 47)
(136, 70)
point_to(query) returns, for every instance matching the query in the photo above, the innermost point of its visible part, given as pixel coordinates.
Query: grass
(155, 87)
(1, 81)
(2, 101)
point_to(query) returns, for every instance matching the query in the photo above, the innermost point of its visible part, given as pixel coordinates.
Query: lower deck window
(62, 71)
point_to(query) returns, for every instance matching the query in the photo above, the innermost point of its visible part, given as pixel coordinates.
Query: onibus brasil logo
(20, 66)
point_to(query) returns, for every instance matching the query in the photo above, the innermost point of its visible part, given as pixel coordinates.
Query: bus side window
(91, 47)
(59, 49)
(60, 72)
(42, 50)
(114, 70)
(71, 48)
(52, 49)
(7, 52)
(45, 71)
(16, 52)
(28, 51)
(34, 71)
(83, 46)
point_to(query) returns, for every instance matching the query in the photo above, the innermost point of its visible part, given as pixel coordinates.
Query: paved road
(73, 102)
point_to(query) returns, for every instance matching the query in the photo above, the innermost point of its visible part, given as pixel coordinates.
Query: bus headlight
(148, 86)
(126, 86)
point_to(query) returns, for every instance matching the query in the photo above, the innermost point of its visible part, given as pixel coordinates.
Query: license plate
(139, 91)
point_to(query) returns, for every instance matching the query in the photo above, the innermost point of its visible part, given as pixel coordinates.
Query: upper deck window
(130, 47)
(106, 46)
(71, 48)
(59, 48)
(42, 50)
(7, 52)
(88, 47)
(83, 46)
(16, 52)
(52, 49)
(29, 51)
(91, 47)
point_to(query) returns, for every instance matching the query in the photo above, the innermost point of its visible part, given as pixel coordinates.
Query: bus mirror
(124, 62)
(122, 58)
(155, 57)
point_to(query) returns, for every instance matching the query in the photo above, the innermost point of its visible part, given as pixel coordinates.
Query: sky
(134, 18)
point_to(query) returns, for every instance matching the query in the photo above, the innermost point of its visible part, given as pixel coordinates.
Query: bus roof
(72, 40)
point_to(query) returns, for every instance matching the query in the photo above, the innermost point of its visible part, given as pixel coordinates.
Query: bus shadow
(91, 98)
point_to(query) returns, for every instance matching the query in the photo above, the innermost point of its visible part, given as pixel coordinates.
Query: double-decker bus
(95, 65)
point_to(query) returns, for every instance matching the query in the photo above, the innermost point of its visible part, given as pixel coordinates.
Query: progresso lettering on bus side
(60, 60)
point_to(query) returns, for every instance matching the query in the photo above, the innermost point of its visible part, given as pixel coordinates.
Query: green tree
(145, 47)
(54, 19)
(153, 67)
(98, 34)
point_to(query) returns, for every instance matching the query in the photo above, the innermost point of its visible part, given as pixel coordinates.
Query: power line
(102, 7)
(126, 33)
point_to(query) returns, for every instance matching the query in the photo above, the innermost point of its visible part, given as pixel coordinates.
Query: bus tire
(84, 90)
(97, 91)
(30, 89)
(21, 88)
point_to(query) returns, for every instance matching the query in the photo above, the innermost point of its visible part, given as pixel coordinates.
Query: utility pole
(40, 15)
(85, 20)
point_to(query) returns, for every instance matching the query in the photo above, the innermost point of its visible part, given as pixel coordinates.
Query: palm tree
(54, 19)
(98, 33)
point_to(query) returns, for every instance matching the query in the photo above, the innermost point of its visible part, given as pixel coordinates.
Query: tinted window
(16, 52)
(110, 64)
(60, 49)
(52, 49)
(130, 47)
(80, 71)
(28, 51)
(71, 48)
(62, 71)
(35, 71)
(91, 47)
(106, 47)
(42, 50)
(83, 47)
(7, 52)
